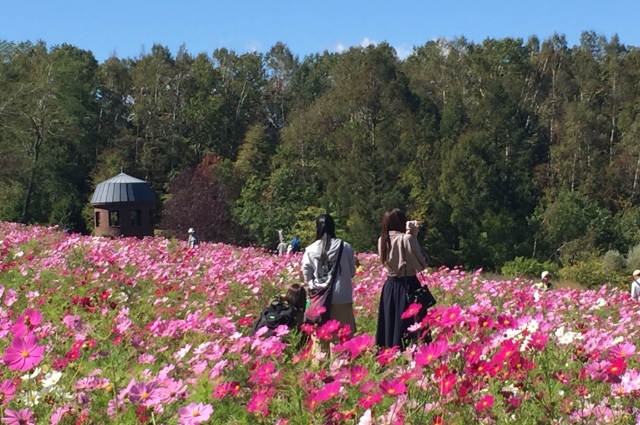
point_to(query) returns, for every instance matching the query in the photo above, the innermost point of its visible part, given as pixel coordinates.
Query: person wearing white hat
(193, 238)
(546, 279)
(635, 286)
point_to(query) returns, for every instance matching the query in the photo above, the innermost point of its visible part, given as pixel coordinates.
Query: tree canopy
(504, 148)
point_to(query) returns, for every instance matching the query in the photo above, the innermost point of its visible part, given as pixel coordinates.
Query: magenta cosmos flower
(194, 414)
(7, 391)
(18, 417)
(356, 345)
(485, 402)
(23, 353)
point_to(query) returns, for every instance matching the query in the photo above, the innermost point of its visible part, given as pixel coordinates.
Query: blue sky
(128, 28)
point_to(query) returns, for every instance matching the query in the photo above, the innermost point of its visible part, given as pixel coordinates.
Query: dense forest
(505, 148)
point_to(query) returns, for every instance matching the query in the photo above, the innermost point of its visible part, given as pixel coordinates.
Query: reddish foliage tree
(200, 200)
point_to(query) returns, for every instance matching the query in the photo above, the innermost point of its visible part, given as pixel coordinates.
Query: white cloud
(367, 42)
(339, 48)
(253, 46)
(403, 51)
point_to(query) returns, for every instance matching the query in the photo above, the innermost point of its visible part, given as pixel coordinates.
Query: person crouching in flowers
(285, 309)
(402, 258)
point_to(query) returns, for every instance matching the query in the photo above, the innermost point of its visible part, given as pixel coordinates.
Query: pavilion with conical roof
(123, 206)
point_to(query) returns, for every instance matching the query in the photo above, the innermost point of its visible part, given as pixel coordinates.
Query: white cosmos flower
(51, 378)
(568, 337)
(533, 326)
(30, 398)
(32, 375)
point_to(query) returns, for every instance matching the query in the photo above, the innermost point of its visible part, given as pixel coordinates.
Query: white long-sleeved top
(342, 287)
(635, 290)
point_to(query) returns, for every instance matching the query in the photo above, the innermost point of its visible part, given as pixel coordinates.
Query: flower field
(126, 331)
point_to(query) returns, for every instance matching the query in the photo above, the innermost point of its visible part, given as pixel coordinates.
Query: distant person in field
(546, 279)
(295, 244)
(635, 285)
(193, 238)
(282, 246)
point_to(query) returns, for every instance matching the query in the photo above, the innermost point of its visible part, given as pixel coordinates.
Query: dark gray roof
(122, 188)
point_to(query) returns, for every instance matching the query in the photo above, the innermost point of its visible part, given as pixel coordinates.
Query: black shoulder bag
(421, 295)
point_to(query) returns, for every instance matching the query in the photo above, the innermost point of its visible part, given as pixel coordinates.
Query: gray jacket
(342, 288)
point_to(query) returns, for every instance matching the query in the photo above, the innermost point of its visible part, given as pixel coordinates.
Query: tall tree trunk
(29, 192)
(611, 138)
(635, 179)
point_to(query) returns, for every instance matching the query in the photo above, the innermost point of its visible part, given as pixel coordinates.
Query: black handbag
(421, 295)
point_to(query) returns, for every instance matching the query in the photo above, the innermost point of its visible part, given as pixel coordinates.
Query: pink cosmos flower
(23, 353)
(357, 374)
(507, 350)
(259, 402)
(473, 352)
(485, 402)
(425, 354)
(60, 413)
(357, 345)
(617, 367)
(263, 375)
(145, 394)
(7, 392)
(394, 387)
(91, 383)
(221, 390)
(30, 318)
(411, 311)
(446, 385)
(623, 350)
(171, 390)
(387, 355)
(19, 329)
(369, 400)
(326, 331)
(329, 391)
(11, 297)
(18, 417)
(538, 341)
(451, 316)
(73, 322)
(194, 414)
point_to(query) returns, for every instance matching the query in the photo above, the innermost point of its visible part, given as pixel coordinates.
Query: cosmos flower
(23, 353)
(329, 391)
(18, 417)
(7, 391)
(485, 402)
(194, 413)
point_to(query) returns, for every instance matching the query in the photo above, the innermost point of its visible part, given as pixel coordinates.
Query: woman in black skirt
(402, 258)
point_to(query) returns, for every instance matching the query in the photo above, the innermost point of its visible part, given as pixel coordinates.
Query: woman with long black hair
(402, 259)
(323, 252)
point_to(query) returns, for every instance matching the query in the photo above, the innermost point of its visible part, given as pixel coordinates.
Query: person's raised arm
(416, 251)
